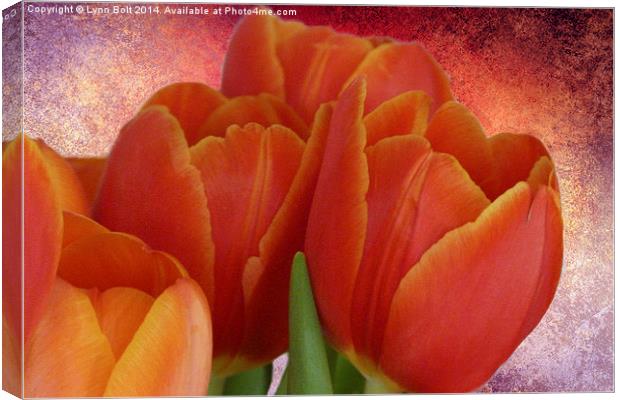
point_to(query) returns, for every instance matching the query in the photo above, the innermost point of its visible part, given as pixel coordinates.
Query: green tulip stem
(346, 378)
(375, 386)
(216, 386)
(252, 382)
(308, 368)
(332, 359)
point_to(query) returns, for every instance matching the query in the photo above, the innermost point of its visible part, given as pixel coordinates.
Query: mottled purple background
(547, 72)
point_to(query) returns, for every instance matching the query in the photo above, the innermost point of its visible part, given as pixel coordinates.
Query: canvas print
(237, 199)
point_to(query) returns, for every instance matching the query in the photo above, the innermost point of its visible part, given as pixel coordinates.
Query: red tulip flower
(307, 66)
(232, 209)
(201, 111)
(433, 250)
(104, 315)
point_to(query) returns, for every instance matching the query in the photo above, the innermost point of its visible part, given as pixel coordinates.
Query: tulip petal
(316, 62)
(266, 278)
(77, 226)
(338, 218)
(475, 295)
(394, 68)
(415, 197)
(121, 311)
(42, 233)
(170, 354)
(404, 114)
(11, 360)
(12, 243)
(379, 40)
(68, 355)
(67, 185)
(264, 109)
(515, 156)
(191, 104)
(246, 177)
(543, 178)
(496, 163)
(251, 66)
(151, 190)
(88, 171)
(286, 28)
(543, 174)
(112, 259)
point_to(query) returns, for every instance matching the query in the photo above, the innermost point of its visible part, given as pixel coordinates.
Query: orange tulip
(233, 209)
(104, 315)
(201, 111)
(433, 250)
(308, 66)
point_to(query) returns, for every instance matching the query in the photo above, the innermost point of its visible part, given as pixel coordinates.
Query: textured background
(547, 72)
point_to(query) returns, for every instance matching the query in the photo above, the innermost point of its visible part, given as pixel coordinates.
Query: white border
(480, 3)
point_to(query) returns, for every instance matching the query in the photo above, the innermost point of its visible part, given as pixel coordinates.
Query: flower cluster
(433, 249)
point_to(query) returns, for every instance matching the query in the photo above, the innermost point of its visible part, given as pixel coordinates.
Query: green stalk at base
(346, 378)
(252, 382)
(216, 386)
(374, 386)
(308, 369)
